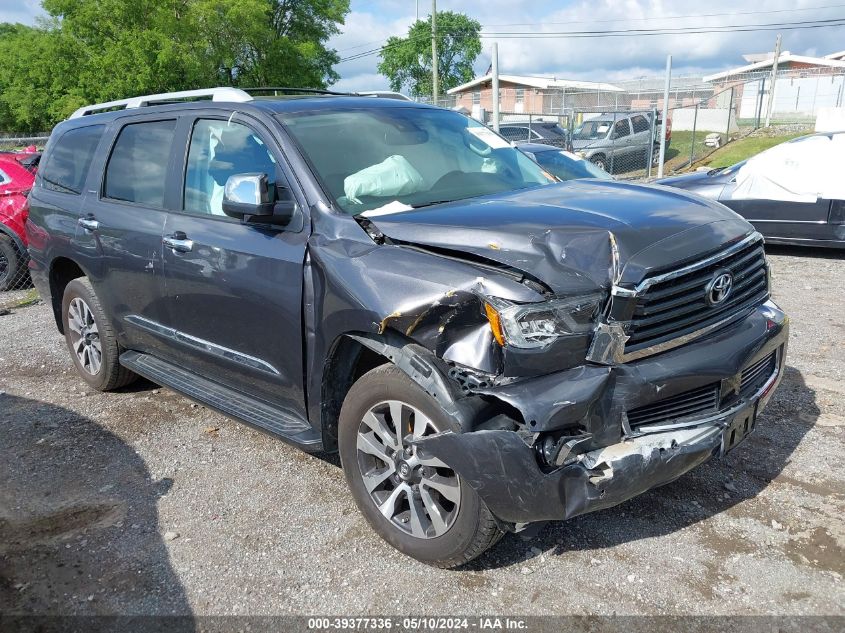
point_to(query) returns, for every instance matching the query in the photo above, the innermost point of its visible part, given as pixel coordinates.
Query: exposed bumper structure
(618, 462)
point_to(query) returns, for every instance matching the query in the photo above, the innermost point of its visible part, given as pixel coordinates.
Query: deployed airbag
(392, 177)
(799, 171)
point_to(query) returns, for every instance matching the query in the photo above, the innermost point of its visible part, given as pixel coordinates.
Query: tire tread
(118, 376)
(486, 532)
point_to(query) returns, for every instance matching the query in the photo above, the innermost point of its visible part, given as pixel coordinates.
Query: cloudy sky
(371, 22)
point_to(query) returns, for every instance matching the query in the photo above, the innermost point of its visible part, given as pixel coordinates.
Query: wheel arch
(63, 270)
(348, 359)
(355, 353)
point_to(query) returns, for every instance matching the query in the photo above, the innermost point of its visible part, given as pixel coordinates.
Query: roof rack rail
(286, 90)
(217, 94)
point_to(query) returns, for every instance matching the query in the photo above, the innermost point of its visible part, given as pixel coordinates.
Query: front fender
(374, 291)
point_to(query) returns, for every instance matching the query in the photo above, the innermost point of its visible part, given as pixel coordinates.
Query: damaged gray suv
(487, 348)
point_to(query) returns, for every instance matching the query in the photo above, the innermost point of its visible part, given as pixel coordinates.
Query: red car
(17, 173)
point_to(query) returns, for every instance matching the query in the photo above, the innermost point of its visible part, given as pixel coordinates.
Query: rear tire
(11, 265)
(91, 339)
(446, 530)
(655, 155)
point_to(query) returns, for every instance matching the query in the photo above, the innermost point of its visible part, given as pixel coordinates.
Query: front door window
(219, 150)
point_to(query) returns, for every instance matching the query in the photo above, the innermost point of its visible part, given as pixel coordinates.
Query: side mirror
(247, 195)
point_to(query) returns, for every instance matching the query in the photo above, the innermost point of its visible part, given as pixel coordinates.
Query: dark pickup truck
(486, 347)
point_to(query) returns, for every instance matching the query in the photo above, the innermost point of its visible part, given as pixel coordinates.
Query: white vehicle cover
(392, 177)
(800, 171)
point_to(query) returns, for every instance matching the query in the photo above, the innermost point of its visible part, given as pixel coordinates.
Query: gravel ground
(140, 502)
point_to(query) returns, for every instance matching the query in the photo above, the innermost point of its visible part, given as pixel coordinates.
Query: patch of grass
(28, 299)
(678, 153)
(18, 299)
(744, 148)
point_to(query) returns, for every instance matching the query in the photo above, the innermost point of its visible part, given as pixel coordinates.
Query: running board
(235, 404)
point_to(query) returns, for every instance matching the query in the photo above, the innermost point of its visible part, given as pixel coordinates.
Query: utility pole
(773, 82)
(434, 51)
(495, 72)
(665, 116)
(418, 10)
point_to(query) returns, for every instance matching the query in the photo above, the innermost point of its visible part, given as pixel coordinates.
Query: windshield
(392, 159)
(565, 166)
(591, 130)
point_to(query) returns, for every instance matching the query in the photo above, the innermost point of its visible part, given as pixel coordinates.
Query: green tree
(406, 61)
(271, 42)
(36, 78)
(99, 50)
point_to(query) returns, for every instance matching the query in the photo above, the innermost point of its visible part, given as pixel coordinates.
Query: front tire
(599, 161)
(90, 338)
(416, 503)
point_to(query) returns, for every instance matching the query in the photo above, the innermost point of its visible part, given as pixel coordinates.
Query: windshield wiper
(429, 204)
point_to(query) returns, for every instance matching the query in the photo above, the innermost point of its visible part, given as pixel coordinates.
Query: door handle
(178, 241)
(89, 223)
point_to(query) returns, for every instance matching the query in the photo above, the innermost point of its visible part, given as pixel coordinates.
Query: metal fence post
(651, 155)
(495, 70)
(692, 145)
(760, 102)
(730, 109)
(665, 116)
(612, 145)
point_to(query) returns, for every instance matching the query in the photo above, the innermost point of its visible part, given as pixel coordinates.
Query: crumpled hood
(576, 235)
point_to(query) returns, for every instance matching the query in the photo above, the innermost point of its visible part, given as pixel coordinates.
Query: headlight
(581, 154)
(535, 325)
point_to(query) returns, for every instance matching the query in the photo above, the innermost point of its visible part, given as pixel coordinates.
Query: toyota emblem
(719, 288)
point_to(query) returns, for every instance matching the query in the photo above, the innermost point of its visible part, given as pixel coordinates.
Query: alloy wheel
(419, 494)
(84, 336)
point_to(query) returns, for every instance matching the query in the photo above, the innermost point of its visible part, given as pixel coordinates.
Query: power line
(644, 19)
(676, 17)
(733, 28)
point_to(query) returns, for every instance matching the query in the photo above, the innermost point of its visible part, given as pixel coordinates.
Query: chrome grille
(673, 305)
(755, 376)
(689, 403)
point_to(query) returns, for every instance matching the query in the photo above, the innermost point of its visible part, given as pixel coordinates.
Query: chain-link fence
(19, 157)
(14, 273)
(618, 126)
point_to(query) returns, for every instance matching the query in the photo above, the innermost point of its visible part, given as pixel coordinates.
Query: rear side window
(640, 124)
(67, 165)
(137, 168)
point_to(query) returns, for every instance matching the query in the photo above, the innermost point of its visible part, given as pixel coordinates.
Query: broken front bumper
(505, 468)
